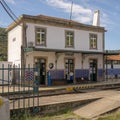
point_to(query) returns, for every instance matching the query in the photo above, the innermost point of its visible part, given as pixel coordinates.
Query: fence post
(3, 78)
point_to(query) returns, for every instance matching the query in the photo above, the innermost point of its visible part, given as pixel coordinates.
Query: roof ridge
(56, 18)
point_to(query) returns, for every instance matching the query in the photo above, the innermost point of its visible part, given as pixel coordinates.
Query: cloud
(106, 21)
(11, 1)
(79, 13)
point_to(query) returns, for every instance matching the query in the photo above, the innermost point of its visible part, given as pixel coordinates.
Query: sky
(82, 11)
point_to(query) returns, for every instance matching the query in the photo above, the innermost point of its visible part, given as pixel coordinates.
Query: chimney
(96, 18)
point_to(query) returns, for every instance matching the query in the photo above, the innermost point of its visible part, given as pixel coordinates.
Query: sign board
(28, 49)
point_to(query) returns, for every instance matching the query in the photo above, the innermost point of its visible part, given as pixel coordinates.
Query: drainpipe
(106, 69)
(23, 57)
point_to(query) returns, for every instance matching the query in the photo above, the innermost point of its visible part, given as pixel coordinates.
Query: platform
(99, 107)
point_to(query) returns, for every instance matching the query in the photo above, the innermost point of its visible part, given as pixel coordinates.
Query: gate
(21, 87)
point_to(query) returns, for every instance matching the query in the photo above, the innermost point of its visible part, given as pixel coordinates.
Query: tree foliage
(3, 44)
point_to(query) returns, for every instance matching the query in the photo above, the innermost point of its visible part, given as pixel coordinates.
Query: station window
(40, 36)
(69, 39)
(93, 41)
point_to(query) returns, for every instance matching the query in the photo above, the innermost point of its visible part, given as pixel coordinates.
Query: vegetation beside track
(66, 115)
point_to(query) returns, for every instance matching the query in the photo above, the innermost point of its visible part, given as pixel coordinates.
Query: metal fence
(21, 87)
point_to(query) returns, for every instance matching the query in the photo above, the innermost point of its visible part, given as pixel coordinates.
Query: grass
(62, 115)
(66, 115)
(112, 116)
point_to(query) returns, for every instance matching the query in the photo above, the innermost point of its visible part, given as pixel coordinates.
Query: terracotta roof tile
(113, 57)
(55, 18)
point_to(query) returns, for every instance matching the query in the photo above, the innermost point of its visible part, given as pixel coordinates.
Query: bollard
(36, 86)
(49, 78)
(4, 109)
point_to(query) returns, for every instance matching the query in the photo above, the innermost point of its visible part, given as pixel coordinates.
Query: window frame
(94, 41)
(70, 45)
(45, 35)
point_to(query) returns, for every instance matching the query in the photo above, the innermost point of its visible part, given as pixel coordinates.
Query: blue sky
(82, 12)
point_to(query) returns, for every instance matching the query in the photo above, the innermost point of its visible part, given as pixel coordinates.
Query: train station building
(66, 50)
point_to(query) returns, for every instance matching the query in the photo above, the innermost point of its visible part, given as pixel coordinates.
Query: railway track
(16, 95)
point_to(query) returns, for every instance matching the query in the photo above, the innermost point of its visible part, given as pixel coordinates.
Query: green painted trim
(63, 50)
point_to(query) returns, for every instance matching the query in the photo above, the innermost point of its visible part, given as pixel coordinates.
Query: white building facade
(69, 50)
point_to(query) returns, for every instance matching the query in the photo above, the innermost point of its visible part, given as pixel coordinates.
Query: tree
(3, 44)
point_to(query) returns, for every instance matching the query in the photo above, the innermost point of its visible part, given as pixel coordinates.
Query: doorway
(69, 70)
(41, 65)
(93, 70)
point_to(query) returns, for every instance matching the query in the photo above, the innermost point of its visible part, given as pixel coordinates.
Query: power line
(8, 11)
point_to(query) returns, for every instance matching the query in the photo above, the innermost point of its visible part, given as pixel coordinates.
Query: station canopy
(112, 55)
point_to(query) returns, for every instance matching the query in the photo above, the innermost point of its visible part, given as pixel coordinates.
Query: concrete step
(99, 107)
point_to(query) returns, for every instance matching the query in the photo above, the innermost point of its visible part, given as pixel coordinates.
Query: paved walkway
(99, 107)
(110, 99)
(63, 98)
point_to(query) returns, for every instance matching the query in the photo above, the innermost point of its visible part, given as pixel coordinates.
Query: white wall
(50, 57)
(82, 40)
(5, 73)
(98, 57)
(56, 37)
(14, 46)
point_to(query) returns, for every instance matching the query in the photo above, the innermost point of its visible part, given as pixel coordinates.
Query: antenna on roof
(71, 10)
